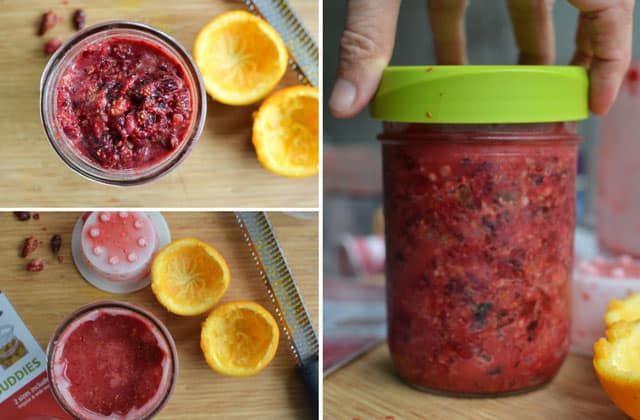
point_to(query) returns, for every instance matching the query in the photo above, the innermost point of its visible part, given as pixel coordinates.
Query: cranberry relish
(479, 255)
(124, 103)
(114, 364)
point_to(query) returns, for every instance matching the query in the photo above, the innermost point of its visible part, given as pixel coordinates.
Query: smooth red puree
(124, 103)
(479, 254)
(112, 364)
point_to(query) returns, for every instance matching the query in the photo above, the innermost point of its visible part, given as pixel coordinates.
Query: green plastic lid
(482, 94)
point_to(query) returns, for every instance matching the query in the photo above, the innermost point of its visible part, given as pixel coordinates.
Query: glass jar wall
(479, 168)
(479, 223)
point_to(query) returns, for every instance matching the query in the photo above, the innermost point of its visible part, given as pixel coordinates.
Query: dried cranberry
(48, 21)
(35, 265)
(78, 19)
(30, 245)
(22, 215)
(36, 216)
(52, 45)
(56, 242)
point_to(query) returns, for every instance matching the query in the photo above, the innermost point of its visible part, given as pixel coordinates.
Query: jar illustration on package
(11, 348)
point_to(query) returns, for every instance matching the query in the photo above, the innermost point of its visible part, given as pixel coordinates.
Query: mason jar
(111, 359)
(479, 166)
(122, 103)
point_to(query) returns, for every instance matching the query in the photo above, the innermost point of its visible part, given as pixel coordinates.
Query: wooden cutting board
(43, 299)
(222, 170)
(369, 389)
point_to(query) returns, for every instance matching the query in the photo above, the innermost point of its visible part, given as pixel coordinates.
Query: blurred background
(352, 161)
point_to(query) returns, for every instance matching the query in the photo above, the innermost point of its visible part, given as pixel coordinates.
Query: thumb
(365, 50)
(604, 39)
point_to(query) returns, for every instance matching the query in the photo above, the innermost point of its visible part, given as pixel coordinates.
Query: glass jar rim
(88, 168)
(147, 315)
(547, 133)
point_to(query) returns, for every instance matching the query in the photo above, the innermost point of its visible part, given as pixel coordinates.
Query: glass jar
(111, 349)
(479, 220)
(618, 171)
(96, 134)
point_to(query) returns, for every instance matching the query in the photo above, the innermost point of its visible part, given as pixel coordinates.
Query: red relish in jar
(124, 103)
(479, 222)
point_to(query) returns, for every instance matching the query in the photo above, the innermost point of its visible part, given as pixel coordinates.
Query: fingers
(583, 54)
(446, 18)
(532, 22)
(365, 50)
(607, 29)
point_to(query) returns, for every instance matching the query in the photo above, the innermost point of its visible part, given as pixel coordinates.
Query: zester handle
(308, 372)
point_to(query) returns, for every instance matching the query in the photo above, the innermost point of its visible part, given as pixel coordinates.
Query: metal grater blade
(302, 48)
(281, 286)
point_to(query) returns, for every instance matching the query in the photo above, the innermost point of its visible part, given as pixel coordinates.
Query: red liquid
(479, 253)
(124, 103)
(111, 364)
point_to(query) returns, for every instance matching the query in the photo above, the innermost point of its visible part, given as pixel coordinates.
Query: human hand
(603, 44)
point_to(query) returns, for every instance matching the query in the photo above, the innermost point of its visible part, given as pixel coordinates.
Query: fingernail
(342, 97)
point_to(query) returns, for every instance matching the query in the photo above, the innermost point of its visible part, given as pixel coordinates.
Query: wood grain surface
(222, 170)
(369, 389)
(43, 299)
